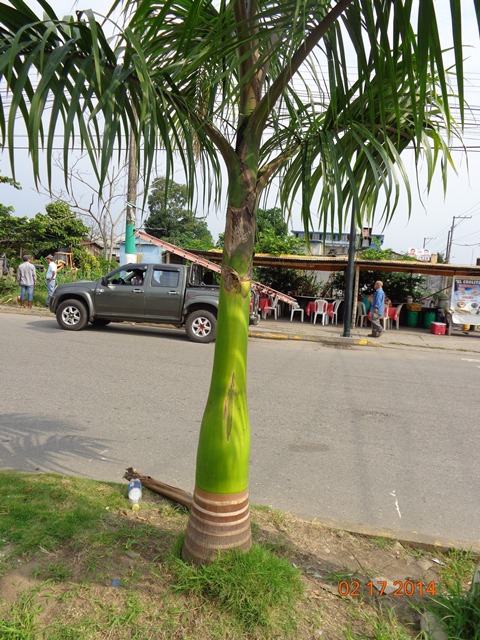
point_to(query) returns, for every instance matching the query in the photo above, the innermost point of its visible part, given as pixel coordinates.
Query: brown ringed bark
(217, 522)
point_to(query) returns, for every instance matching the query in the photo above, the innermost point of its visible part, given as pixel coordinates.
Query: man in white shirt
(51, 277)
(27, 279)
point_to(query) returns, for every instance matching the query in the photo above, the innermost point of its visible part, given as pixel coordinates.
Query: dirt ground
(348, 574)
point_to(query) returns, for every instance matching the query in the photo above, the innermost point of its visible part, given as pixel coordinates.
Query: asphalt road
(384, 438)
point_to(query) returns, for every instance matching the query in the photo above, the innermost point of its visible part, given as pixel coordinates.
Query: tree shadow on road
(30, 443)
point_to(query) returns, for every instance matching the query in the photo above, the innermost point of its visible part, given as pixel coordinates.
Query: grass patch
(258, 589)
(382, 543)
(47, 510)
(382, 624)
(55, 571)
(21, 624)
(458, 570)
(458, 612)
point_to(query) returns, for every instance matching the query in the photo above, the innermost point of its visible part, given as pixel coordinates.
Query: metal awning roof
(198, 258)
(326, 263)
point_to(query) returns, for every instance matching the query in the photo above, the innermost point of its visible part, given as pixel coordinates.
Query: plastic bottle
(135, 493)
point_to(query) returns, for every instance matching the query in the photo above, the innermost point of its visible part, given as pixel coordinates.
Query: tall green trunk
(219, 518)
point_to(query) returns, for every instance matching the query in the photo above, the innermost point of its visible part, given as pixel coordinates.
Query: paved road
(378, 437)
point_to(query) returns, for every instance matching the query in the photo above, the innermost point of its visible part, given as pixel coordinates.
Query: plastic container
(438, 328)
(135, 493)
(412, 318)
(428, 318)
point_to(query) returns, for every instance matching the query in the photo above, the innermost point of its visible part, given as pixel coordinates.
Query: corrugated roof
(327, 263)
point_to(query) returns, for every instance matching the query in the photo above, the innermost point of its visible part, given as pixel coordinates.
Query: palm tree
(263, 86)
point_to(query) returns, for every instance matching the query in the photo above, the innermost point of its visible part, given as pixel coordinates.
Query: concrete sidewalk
(332, 335)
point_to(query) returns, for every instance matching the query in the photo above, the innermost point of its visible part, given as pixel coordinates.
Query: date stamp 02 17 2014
(407, 588)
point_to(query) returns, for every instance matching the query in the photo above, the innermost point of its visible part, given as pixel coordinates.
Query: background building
(336, 244)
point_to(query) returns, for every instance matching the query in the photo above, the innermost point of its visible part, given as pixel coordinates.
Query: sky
(432, 214)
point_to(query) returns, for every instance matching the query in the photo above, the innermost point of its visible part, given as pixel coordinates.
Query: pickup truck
(157, 293)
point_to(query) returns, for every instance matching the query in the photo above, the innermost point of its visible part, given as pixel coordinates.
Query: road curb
(336, 342)
(341, 342)
(412, 538)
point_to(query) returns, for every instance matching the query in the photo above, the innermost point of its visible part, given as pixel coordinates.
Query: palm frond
(195, 78)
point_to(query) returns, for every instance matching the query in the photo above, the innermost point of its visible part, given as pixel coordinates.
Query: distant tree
(397, 286)
(16, 234)
(11, 231)
(58, 228)
(10, 181)
(43, 234)
(382, 254)
(273, 238)
(272, 220)
(272, 234)
(172, 220)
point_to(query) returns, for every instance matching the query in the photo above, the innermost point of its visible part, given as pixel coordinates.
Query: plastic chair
(388, 320)
(297, 308)
(273, 306)
(397, 321)
(362, 314)
(336, 304)
(321, 307)
(385, 320)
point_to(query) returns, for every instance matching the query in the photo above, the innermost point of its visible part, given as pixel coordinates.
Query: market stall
(464, 304)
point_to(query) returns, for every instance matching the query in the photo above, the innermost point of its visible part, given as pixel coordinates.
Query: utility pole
(425, 240)
(448, 251)
(450, 236)
(131, 217)
(131, 213)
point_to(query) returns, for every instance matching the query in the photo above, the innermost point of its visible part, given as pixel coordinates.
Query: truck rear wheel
(72, 315)
(201, 326)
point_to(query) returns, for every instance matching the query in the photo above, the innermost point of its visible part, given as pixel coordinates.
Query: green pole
(130, 253)
(131, 222)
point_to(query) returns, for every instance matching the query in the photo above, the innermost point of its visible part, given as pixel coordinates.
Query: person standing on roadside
(27, 279)
(51, 277)
(378, 309)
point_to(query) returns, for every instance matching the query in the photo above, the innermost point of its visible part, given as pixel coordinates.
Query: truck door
(164, 296)
(121, 296)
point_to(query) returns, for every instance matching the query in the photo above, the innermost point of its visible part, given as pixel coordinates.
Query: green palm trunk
(220, 517)
(224, 444)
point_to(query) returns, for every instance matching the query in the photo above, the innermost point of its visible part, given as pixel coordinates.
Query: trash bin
(412, 318)
(428, 318)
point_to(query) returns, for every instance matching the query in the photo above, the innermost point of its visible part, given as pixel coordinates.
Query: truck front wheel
(72, 315)
(201, 326)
